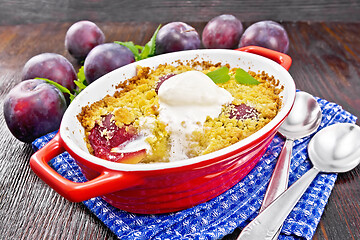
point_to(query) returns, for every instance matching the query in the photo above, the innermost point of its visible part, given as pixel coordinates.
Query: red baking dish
(163, 187)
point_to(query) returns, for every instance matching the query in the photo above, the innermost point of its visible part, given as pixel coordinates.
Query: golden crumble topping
(136, 103)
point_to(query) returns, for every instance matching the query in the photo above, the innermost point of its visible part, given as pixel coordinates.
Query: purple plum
(223, 31)
(33, 108)
(104, 58)
(81, 37)
(176, 36)
(51, 66)
(268, 34)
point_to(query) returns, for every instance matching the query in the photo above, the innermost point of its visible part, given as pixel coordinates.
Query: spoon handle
(267, 223)
(280, 177)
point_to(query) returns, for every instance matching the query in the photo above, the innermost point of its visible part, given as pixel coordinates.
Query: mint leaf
(243, 77)
(81, 86)
(81, 81)
(133, 48)
(81, 75)
(145, 52)
(140, 48)
(142, 52)
(59, 86)
(152, 43)
(220, 75)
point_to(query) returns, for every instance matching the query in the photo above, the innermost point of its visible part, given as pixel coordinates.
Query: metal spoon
(333, 149)
(303, 120)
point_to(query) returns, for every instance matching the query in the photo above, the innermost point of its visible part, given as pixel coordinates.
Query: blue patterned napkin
(234, 208)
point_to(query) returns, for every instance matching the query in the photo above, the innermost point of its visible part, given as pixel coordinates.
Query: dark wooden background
(324, 45)
(37, 11)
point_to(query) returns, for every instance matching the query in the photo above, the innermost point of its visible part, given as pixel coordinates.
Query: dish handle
(108, 181)
(281, 58)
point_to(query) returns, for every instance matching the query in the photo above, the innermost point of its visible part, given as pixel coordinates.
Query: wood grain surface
(38, 11)
(326, 63)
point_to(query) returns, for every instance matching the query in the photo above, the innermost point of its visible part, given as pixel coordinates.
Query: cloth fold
(234, 208)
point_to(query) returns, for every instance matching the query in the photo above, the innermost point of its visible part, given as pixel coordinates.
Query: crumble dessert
(177, 112)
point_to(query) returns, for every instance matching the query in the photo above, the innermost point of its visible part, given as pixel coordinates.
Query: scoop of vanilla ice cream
(186, 100)
(192, 88)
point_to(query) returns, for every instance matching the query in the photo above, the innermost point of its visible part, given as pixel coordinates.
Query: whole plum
(176, 36)
(33, 108)
(104, 58)
(223, 31)
(268, 34)
(81, 37)
(52, 66)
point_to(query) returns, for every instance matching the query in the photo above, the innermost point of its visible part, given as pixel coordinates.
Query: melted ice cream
(186, 100)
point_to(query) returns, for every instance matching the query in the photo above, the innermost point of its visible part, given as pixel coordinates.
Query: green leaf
(139, 47)
(133, 48)
(81, 81)
(81, 75)
(243, 77)
(220, 75)
(59, 86)
(80, 86)
(145, 52)
(142, 52)
(152, 43)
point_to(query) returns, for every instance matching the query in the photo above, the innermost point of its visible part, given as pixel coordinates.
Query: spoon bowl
(332, 149)
(304, 118)
(335, 148)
